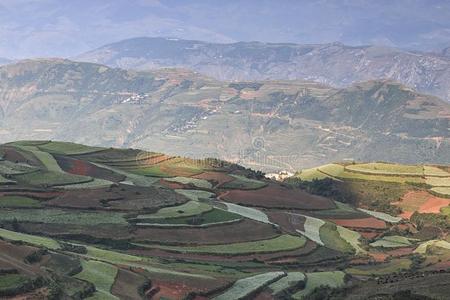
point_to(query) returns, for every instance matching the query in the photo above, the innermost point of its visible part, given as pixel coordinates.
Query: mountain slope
(334, 64)
(268, 124)
(79, 221)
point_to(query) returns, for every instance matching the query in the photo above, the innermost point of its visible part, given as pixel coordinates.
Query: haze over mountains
(4, 61)
(266, 125)
(334, 64)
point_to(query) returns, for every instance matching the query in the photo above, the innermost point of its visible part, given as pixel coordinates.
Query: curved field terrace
(83, 222)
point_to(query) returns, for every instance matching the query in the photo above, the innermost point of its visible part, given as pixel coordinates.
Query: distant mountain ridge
(335, 64)
(4, 61)
(266, 125)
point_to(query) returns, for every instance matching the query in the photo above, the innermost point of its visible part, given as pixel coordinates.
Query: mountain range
(263, 124)
(4, 61)
(335, 64)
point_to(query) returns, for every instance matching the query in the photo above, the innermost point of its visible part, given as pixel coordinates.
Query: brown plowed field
(277, 196)
(360, 223)
(422, 202)
(244, 231)
(217, 177)
(288, 222)
(127, 284)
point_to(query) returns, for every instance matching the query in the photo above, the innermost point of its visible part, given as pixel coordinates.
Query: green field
(30, 239)
(438, 181)
(59, 216)
(248, 212)
(67, 148)
(333, 279)
(12, 282)
(332, 239)
(246, 286)
(422, 248)
(311, 174)
(281, 243)
(387, 169)
(48, 178)
(292, 279)
(210, 217)
(393, 241)
(342, 210)
(395, 265)
(334, 170)
(446, 211)
(381, 216)
(47, 160)
(130, 177)
(382, 178)
(10, 168)
(18, 201)
(351, 237)
(151, 171)
(312, 229)
(434, 171)
(101, 274)
(188, 209)
(93, 184)
(200, 183)
(4, 180)
(243, 183)
(442, 191)
(196, 195)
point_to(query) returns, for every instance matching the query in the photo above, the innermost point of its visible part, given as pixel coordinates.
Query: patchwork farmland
(102, 223)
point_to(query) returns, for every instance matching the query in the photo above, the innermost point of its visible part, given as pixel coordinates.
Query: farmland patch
(247, 286)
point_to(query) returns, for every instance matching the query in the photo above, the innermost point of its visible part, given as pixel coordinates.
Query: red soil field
(277, 196)
(442, 265)
(422, 202)
(244, 231)
(368, 235)
(290, 223)
(172, 185)
(12, 257)
(179, 288)
(370, 222)
(119, 198)
(13, 155)
(406, 214)
(263, 296)
(87, 198)
(400, 251)
(81, 167)
(218, 177)
(379, 256)
(126, 285)
(434, 205)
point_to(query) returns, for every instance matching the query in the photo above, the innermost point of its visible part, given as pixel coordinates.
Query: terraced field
(82, 222)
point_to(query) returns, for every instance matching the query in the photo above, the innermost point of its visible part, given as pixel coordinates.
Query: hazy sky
(69, 27)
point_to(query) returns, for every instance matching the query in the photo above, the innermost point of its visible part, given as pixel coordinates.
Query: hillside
(79, 221)
(334, 64)
(266, 125)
